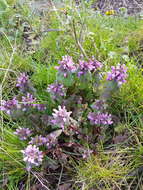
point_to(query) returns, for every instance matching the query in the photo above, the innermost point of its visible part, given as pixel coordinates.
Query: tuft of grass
(98, 35)
(11, 160)
(106, 170)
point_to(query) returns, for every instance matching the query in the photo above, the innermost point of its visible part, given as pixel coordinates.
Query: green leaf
(67, 81)
(3, 5)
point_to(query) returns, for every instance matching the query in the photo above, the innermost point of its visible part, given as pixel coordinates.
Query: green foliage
(102, 171)
(106, 36)
(111, 39)
(11, 164)
(43, 75)
(3, 5)
(130, 97)
(23, 64)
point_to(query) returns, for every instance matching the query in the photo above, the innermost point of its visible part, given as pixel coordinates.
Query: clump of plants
(77, 118)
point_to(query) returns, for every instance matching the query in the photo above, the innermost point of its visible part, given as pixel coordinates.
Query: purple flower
(96, 64)
(28, 100)
(56, 90)
(9, 105)
(51, 140)
(61, 117)
(23, 133)
(100, 118)
(67, 65)
(38, 140)
(32, 156)
(118, 73)
(99, 105)
(84, 67)
(22, 81)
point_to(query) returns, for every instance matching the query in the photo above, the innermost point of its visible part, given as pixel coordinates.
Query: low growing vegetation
(71, 97)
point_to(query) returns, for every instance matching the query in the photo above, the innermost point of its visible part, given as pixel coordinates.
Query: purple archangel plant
(118, 73)
(23, 133)
(9, 105)
(22, 81)
(84, 67)
(100, 118)
(96, 65)
(38, 140)
(73, 98)
(32, 156)
(88, 66)
(56, 90)
(67, 66)
(28, 101)
(51, 140)
(61, 117)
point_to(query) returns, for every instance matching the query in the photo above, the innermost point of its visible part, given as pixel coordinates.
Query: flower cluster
(38, 140)
(51, 140)
(22, 81)
(118, 73)
(28, 100)
(61, 117)
(66, 66)
(96, 64)
(84, 67)
(100, 118)
(23, 133)
(32, 156)
(56, 90)
(8, 106)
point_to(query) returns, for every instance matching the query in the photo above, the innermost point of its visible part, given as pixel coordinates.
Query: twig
(77, 41)
(10, 70)
(60, 177)
(83, 186)
(40, 181)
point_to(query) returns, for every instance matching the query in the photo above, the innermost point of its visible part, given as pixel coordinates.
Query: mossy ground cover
(33, 41)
